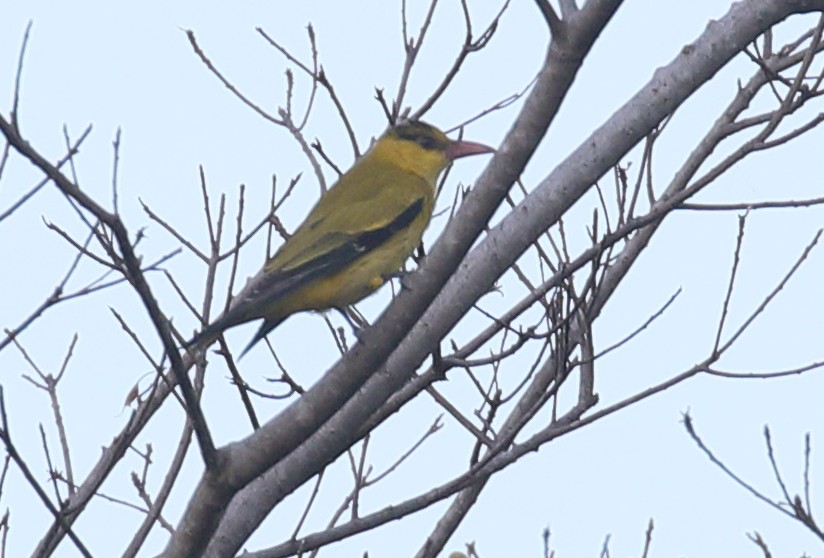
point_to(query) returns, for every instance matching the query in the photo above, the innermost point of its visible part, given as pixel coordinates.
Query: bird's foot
(357, 322)
(402, 276)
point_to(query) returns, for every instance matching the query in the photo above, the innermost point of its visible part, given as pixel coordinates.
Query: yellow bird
(357, 236)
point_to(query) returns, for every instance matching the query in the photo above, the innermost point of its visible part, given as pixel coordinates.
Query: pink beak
(458, 149)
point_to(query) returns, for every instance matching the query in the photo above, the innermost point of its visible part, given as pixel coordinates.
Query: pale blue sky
(130, 66)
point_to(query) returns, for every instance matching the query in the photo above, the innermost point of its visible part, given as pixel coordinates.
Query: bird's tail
(211, 332)
(245, 306)
(205, 337)
(267, 326)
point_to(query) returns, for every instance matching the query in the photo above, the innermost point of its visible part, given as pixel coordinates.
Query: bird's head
(422, 149)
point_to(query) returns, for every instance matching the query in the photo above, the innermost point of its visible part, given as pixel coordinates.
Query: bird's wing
(361, 212)
(356, 216)
(331, 253)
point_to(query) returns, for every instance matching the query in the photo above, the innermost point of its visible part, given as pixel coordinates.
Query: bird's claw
(402, 276)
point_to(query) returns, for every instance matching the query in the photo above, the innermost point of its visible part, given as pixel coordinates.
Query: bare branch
(11, 449)
(248, 102)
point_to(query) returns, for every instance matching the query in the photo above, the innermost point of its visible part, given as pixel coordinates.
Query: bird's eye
(426, 142)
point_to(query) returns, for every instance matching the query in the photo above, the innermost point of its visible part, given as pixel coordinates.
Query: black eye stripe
(427, 142)
(423, 134)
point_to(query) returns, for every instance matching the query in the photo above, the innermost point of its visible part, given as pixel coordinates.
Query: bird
(356, 237)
